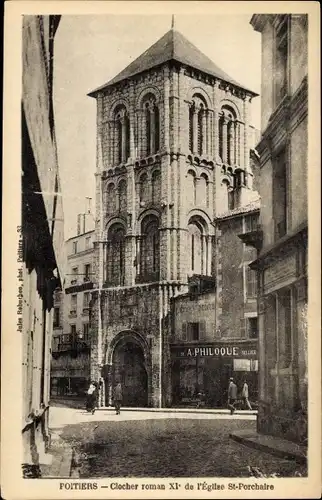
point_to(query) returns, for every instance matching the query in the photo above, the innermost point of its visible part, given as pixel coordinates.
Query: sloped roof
(172, 46)
(250, 207)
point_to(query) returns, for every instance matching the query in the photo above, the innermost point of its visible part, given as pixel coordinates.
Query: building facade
(70, 364)
(281, 263)
(41, 234)
(173, 140)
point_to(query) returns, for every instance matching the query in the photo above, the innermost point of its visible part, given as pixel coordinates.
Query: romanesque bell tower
(173, 140)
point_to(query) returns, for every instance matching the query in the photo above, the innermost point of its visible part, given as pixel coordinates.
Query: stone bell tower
(172, 140)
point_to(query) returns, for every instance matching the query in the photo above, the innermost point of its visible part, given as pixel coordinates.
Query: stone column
(204, 133)
(232, 143)
(123, 142)
(224, 141)
(209, 134)
(132, 121)
(246, 132)
(152, 128)
(166, 95)
(195, 129)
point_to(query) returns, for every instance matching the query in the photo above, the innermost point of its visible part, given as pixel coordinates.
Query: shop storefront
(200, 372)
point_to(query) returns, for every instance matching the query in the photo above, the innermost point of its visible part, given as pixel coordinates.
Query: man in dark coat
(232, 395)
(118, 396)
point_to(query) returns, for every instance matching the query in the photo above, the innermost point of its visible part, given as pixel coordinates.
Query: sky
(92, 49)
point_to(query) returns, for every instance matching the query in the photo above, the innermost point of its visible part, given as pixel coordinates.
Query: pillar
(195, 129)
(204, 133)
(224, 140)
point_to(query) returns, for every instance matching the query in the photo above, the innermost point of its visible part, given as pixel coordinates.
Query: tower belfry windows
(121, 136)
(152, 125)
(228, 134)
(199, 123)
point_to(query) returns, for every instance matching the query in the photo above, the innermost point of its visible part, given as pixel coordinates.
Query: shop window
(56, 317)
(251, 283)
(252, 327)
(280, 195)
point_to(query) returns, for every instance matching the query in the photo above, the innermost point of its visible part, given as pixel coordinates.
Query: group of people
(232, 395)
(93, 394)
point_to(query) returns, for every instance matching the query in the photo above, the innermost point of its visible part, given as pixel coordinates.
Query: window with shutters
(251, 283)
(252, 327)
(193, 331)
(56, 317)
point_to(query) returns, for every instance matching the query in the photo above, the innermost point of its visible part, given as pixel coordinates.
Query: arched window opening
(202, 194)
(156, 186)
(110, 199)
(200, 130)
(121, 135)
(199, 123)
(116, 255)
(122, 192)
(191, 113)
(144, 189)
(228, 136)
(196, 244)
(152, 125)
(150, 249)
(191, 188)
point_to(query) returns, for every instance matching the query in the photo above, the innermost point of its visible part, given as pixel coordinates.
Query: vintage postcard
(161, 258)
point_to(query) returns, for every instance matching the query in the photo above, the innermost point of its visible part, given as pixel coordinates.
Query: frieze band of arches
(142, 126)
(147, 249)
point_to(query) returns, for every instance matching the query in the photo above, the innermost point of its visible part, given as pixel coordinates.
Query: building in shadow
(281, 241)
(41, 233)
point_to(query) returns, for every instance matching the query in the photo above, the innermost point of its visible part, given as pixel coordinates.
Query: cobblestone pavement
(141, 444)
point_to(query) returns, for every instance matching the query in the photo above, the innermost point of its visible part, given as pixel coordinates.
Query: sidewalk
(62, 457)
(182, 410)
(271, 444)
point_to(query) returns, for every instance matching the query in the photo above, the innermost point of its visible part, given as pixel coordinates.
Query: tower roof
(173, 46)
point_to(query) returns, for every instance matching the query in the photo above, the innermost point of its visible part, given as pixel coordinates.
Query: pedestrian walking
(232, 395)
(91, 399)
(118, 398)
(245, 395)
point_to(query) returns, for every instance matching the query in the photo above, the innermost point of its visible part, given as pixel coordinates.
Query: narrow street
(155, 444)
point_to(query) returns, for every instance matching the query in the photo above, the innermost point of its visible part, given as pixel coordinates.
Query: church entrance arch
(130, 366)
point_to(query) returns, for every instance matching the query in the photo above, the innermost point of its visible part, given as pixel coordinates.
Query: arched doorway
(129, 368)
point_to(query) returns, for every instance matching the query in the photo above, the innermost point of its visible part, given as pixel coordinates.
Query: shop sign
(231, 351)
